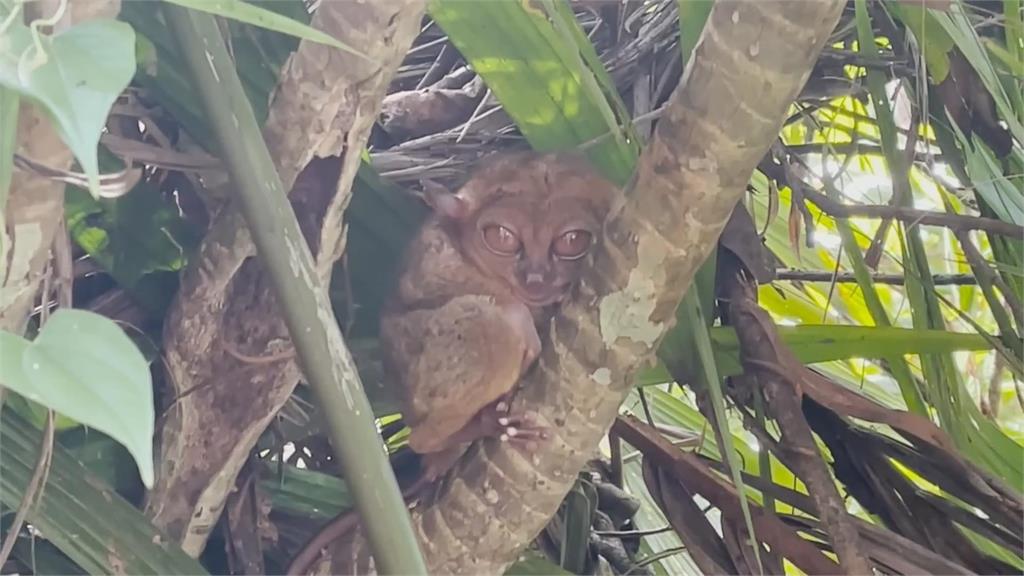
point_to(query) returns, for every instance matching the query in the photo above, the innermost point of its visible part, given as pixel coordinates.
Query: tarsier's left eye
(501, 240)
(572, 245)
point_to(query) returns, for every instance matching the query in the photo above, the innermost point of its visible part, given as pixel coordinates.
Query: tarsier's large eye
(572, 245)
(501, 240)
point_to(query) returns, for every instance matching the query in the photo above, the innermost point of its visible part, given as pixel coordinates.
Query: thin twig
(993, 397)
(112, 185)
(474, 116)
(856, 149)
(656, 113)
(268, 359)
(427, 45)
(32, 490)
(647, 560)
(630, 533)
(986, 275)
(890, 279)
(913, 216)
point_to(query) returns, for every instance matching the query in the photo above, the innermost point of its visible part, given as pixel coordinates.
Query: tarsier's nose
(534, 278)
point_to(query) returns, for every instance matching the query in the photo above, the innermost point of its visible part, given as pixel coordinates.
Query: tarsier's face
(538, 248)
(530, 220)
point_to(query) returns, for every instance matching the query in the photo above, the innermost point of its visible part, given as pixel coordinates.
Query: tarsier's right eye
(572, 245)
(501, 240)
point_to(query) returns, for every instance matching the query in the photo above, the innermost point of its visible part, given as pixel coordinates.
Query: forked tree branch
(751, 62)
(223, 403)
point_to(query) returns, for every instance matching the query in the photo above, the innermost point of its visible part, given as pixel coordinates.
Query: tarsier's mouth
(542, 296)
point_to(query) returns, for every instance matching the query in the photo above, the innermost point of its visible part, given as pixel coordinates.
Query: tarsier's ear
(443, 201)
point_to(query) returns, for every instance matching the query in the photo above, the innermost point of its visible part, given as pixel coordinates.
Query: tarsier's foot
(521, 428)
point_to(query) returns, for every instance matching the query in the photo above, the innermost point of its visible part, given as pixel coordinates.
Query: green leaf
(543, 75)
(35, 413)
(44, 557)
(959, 28)
(1014, 29)
(9, 104)
(707, 378)
(1015, 66)
(12, 350)
(693, 15)
(131, 236)
(579, 508)
(978, 438)
(75, 76)
(259, 55)
(105, 458)
(935, 43)
(821, 343)
(251, 14)
(97, 528)
(146, 55)
(85, 367)
(305, 493)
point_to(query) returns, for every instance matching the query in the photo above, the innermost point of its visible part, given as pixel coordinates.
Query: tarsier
(490, 265)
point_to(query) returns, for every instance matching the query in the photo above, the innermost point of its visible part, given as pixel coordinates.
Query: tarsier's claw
(524, 428)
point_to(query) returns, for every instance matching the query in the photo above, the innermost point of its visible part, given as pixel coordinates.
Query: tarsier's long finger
(522, 428)
(513, 434)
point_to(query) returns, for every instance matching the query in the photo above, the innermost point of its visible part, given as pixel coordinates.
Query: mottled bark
(752, 61)
(35, 206)
(325, 105)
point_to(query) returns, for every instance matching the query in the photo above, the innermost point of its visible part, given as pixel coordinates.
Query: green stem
(322, 354)
(9, 106)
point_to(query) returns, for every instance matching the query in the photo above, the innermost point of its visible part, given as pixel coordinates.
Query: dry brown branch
(864, 463)
(812, 401)
(779, 375)
(723, 496)
(688, 520)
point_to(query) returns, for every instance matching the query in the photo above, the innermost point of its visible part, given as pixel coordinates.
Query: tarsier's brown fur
(461, 328)
(488, 267)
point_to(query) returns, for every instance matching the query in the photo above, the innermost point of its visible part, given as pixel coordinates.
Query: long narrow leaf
(534, 71)
(82, 516)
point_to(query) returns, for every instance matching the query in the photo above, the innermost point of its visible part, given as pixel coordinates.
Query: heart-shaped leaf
(75, 76)
(85, 367)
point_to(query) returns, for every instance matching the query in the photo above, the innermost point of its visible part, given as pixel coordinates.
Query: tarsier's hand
(523, 428)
